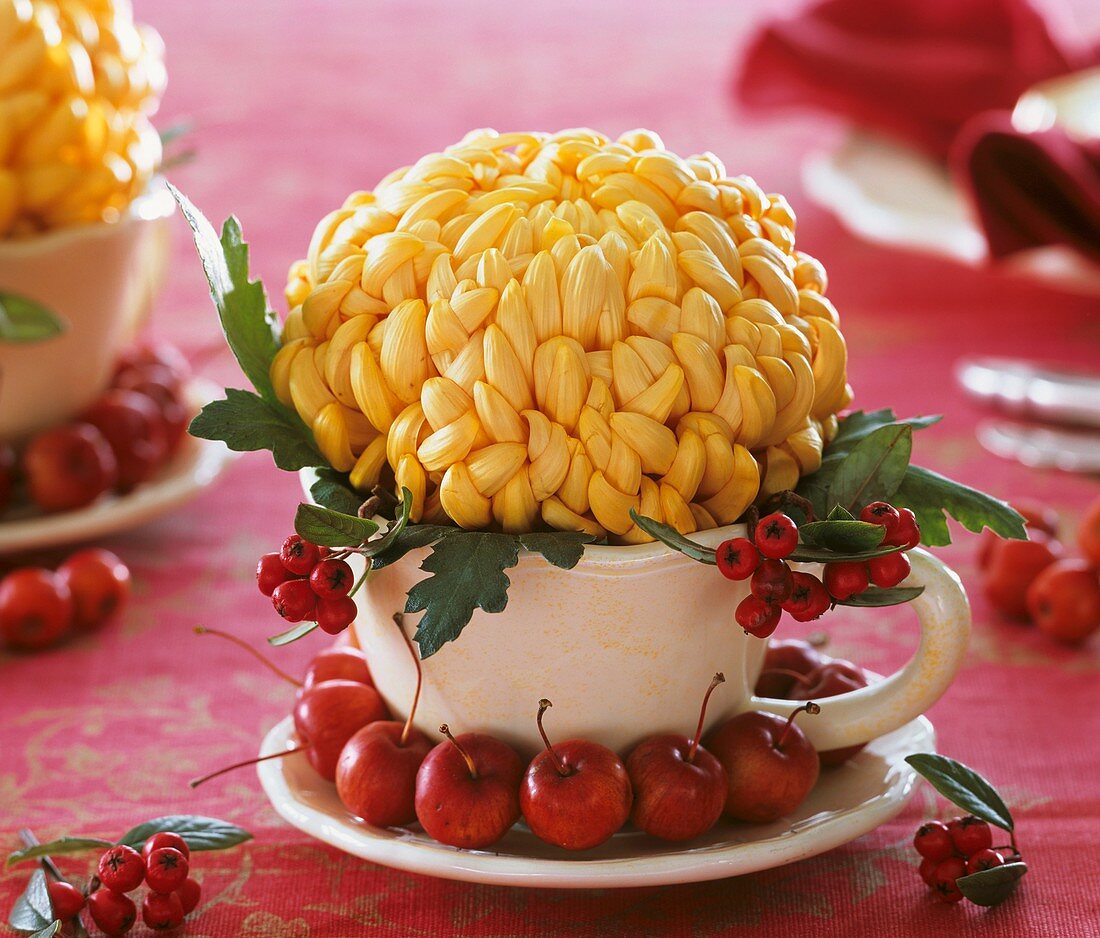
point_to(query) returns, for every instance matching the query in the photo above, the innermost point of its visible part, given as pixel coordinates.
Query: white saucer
(847, 802)
(197, 464)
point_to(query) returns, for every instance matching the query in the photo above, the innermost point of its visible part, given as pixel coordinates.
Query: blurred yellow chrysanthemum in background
(78, 81)
(545, 331)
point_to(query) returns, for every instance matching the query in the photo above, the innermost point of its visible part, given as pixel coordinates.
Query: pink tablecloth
(299, 103)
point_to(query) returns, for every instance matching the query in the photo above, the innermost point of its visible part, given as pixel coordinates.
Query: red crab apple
(1037, 517)
(576, 794)
(679, 787)
(135, 432)
(1064, 600)
(769, 763)
(345, 663)
(834, 676)
(69, 467)
(377, 769)
(1013, 566)
(7, 475)
(783, 662)
(467, 790)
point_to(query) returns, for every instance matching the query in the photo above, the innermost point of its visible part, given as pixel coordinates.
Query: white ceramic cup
(100, 280)
(625, 644)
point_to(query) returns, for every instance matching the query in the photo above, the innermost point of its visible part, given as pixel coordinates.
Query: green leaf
(32, 910)
(174, 132)
(249, 325)
(873, 596)
(330, 528)
(58, 847)
(840, 513)
(672, 538)
(393, 532)
(247, 423)
(805, 554)
(561, 548)
(467, 574)
(962, 786)
(24, 320)
(843, 536)
(332, 490)
(992, 887)
(929, 495)
(860, 424)
(301, 630)
(49, 931)
(874, 468)
(412, 537)
(200, 833)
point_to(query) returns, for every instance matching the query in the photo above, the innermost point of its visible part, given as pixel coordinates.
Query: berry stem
(446, 731)
(719, 678)
(196, 782)
(362, 579)
(809, 707)
(259, 656)
(399, 621)
(563, 770)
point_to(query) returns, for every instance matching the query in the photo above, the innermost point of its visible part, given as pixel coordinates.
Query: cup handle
(861, 715)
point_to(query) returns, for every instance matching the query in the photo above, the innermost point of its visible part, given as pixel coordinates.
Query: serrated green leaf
(561, 548)
(467, 574)
(413, 537)
(874, 468)
(329, 528)
(250, 326)
(962, 786)
(393, 532)
(24, 321)
(301, 630)
(32, 910)
(332, 490)
(670, 537)
(929, 495)
(62, 845)
(200, 833)
(991, 887)
(859, 424)
(843, 536)
(874, 596)
(246, 423)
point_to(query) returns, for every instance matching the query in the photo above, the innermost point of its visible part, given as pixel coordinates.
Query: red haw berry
(928, 870)
(970, 835)
(270, 573)
(298, 555)
(906, 534)
(167, 869)
(100, 585)
(121, 868)
(945, 879)
(889, 570)
(737, 558)
(36, 609)
(846, 579)
(776, 536)
(162, 911)
(757, 617)
(66, 900)
(808, 600)
(984, 860)
(294, 600)
(332, 579)
(335, 615)
(113, 913)
(933, 841)
(190, 893)
(772, 581)
(165, 839)
(881, 513)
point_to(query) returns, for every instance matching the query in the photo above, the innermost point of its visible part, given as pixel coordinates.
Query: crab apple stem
(446, 731)
(399, 621)
(259, 656)
(719, 678)
(358, 583)
(787, 672)
(196, 782)
(545, 705)
(810, 708)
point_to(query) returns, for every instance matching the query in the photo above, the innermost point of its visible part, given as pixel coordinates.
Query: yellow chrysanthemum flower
(78, 81)
(533, 331)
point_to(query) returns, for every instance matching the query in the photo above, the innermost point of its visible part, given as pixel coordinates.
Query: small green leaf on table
(962, 786)
(929, 495)
(874, 596)
(393, 532)
(329, 528)
(301, 630)
(874, 468)
(669, 536)
(61, 846)
(991, 887)
(200, 833)
(332, 490)
(23, 320)
(246, 423)
(32, 911)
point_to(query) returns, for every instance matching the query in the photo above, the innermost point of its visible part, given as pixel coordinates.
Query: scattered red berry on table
(970, 834)
(190, 893)
(772, 581)
(165, 839)
(933, 841)
(299, 556)
(113, 913)
(984, 860)
(945, 879)
(737, 558)
(332, 579)
(845, 579)
(100, 585)
(757, 617)
(121, 868)
(162, 911)
(36, 609)
(776, 536)
(66, 900)
(166, 870)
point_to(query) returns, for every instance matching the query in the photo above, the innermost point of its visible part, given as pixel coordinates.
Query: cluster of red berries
(163, 865)
(776, 589)
(130, 432)
(41, 607)
(956, 849)
(308, 583)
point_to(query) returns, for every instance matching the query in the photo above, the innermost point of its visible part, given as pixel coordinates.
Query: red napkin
(915, 69)
(1030, 189)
